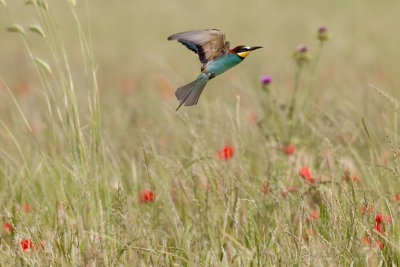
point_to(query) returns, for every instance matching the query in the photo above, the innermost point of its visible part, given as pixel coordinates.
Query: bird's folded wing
(208, 44)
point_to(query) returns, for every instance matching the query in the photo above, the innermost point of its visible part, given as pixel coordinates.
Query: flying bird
(215, 55)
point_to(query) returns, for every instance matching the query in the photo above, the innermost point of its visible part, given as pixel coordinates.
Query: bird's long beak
(254, 48)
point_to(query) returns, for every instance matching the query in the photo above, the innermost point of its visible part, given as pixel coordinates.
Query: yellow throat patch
(243, 54)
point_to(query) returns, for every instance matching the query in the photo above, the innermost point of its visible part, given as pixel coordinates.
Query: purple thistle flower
(302, 49)
(301, 54)
(322, 29)
(266, 79)
(323, 34)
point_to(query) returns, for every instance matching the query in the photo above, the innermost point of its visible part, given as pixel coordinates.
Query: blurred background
(131, 50)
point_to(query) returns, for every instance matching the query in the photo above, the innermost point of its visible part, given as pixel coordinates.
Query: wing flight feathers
(208, 44)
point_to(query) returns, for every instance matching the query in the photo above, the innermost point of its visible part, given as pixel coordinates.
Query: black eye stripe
(241, 50)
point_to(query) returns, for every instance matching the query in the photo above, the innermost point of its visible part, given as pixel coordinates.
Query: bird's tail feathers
(188, 95)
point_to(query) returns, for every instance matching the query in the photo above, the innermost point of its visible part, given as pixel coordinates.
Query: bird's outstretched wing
(208, 44)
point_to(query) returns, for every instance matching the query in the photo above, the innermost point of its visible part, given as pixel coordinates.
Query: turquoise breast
(223, 64)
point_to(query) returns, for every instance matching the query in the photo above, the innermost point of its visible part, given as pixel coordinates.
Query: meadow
(98, 169)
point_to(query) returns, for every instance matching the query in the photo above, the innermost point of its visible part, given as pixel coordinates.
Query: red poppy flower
(379, 221)
(348, 177)
(252, 117)
(23, 89)
(146, 196)
(8, 228)
(310, 232)
(167, 90)
(379, 228)
(356, 180)
(313, 216)
(265, 188)
(380, 245)
(396, 199)
(225, 153)
(366, 209)
(289, 150)
(306, 174)
(379, 218)
(26, 244)
(366, 241)
(285, 192)
(27, 208)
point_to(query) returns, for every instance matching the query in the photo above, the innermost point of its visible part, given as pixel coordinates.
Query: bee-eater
(214, 54)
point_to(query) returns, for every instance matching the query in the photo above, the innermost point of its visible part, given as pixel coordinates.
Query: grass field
(97, 168)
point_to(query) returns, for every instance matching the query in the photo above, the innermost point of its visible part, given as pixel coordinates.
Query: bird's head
(243, 51)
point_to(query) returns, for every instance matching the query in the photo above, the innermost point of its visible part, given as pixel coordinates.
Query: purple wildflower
(322, 29)
(323, 34)
(265, 80)
(301, 54)
(302, 49)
